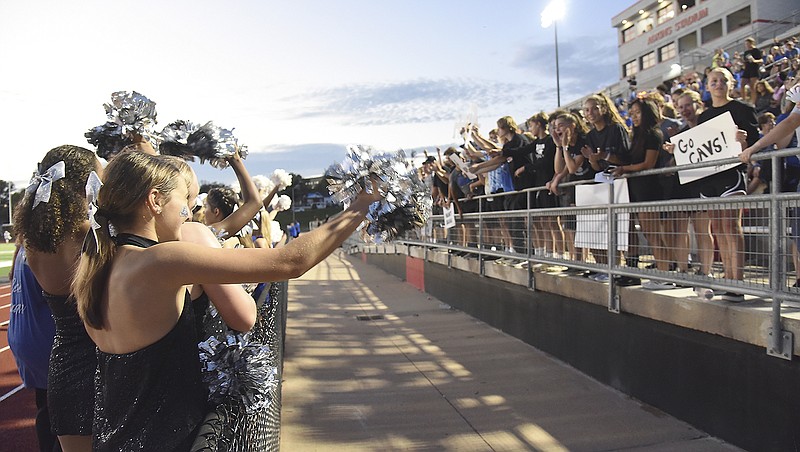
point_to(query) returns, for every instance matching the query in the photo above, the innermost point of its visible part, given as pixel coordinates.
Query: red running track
(17, 405)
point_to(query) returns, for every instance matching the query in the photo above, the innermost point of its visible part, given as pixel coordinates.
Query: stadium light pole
(551, 14)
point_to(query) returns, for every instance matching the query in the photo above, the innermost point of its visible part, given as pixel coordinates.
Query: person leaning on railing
(782, 135)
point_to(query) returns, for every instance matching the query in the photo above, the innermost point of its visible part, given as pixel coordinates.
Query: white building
(659, 40)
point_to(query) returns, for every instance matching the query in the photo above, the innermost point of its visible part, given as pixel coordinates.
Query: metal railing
(770, 226)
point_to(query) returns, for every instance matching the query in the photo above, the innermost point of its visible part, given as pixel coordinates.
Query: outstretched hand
(375, 194)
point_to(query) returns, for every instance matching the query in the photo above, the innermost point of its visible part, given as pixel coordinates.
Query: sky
(296, 80)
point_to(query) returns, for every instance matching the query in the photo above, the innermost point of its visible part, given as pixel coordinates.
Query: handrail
(771, 284)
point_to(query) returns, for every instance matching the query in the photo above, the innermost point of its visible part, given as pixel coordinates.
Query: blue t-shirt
(499, 180)
(31, 327)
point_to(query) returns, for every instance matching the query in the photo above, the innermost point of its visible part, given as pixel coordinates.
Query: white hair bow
(93, 185)
(42, 184)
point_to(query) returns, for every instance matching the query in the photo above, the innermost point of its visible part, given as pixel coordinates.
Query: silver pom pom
(238, 369)
(407, 200)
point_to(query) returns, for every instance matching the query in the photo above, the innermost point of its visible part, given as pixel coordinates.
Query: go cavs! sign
(714, 139)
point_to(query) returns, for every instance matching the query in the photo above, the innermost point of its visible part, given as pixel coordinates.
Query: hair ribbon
(42, 184)
(93, 185)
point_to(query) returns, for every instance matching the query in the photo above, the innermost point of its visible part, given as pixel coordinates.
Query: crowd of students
(618, 138)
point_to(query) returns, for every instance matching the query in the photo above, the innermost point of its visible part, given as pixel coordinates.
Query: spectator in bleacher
(548, 237)
(569, 165)
(646, 144)
(790, 51)
(753, 61)
(783, 135)
(498, 174)
(510, 139)
(727, 224)
(606, 142)
(764, 97)
(690, 106)
(720, 58)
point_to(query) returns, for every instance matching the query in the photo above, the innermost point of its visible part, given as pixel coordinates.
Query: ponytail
(92, 275)
(129, 178)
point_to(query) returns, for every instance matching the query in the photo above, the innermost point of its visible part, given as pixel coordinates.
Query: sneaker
(601, 278)
(592, 275)
(658, 285)
(704, 292)
(732, 297)
(627, 281)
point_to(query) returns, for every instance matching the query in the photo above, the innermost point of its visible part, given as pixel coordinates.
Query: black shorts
(727, 183)
(545, 199)
(469, 206)
(690, 190)
(493, 204)
(645, 188)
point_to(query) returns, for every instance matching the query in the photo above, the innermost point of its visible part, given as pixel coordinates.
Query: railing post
(531, 276)
(611, 218)
(479, 244)
(780, 343)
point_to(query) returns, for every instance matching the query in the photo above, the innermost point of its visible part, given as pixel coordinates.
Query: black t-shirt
(439, 183)
(538, 157)
(644, 140)
(743, 115)
(585, 171)
(612, 139)
(514, 148)
(752, 69)
(542, 158)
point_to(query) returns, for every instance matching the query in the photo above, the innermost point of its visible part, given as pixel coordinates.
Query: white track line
(12, 392)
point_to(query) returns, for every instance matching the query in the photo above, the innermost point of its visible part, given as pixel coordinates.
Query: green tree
(7, 187)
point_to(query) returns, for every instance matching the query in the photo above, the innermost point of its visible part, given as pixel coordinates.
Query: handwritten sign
(462, 165)
(449, 216)
(712, 140)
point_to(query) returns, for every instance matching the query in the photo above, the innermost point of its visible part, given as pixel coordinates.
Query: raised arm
(179, 263)
(252, 202)
(234, 304)
(780, 134)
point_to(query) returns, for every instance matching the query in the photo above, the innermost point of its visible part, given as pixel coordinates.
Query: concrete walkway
(373, 364)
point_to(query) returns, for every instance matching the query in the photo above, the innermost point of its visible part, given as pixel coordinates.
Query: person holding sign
(690, 105)
(727, 224)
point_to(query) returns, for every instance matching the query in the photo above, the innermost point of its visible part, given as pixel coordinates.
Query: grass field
(6, 254)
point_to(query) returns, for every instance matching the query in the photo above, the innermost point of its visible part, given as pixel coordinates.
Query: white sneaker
(704, 292)
(658, 285)
(601, 277)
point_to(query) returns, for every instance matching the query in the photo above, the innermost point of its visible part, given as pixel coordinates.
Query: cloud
(307, 160)
(585, 64)
(409, 102)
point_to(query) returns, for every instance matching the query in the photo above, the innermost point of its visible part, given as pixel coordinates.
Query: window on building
(711, 31)
(628, 33)
(648, 60)
(667, 52)
(630, 68)
(687, 42)
(738, 19)
(666, 13)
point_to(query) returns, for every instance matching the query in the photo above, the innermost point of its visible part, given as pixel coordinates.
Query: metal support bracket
(531, 277)
(781, 346)
(613, 299)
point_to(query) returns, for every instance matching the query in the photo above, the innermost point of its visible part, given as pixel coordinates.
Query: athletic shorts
(721, 185)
